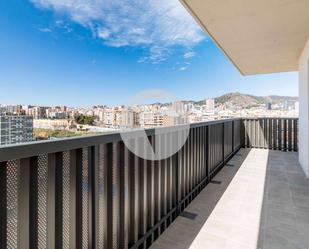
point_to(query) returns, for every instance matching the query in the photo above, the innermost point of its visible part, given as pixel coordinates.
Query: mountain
(247, 101)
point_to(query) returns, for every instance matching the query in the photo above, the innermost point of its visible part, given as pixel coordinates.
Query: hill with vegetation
(247, 100)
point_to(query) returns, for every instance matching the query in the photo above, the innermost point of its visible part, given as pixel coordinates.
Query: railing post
(54, 201)
(24, 215)
(123, 189)
(76, 197)
(207, 154)
(233, 136)
(178, 160)
(92, 196)
(109, 195)
(280, 133)
(270, 132)
(115, 195)
(93, 164)
(285, 128)
(289, 135)
(295, 131)
(33, 198)
(150, 187)
(223, 145)
(3, 205)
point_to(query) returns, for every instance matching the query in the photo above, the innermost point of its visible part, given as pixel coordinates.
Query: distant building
(54, 114)
(286, 105)
(178, 106)
(188, 107)
(109, 117)
(37, 112)
(15, 129)
(151, 119)
(210, 104)
(269, 106)
(12, 110)
(296, 106)
(124, 118)
(170, 120)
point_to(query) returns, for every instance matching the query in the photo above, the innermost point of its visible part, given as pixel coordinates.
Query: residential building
(15, 129)
(178, 106)
(37, 112)
(210, 104)
(109, 117)
(151, 119)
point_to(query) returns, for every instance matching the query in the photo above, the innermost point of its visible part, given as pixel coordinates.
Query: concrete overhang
(258, 36)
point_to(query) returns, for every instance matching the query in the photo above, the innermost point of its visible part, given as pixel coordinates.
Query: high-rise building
(109, 117)
(15, 129)
(151, 119)
(178, 106)
(37, 112)
(188, 107)
(210, 104)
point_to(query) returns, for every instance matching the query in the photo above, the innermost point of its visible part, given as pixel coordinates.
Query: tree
(84, 119)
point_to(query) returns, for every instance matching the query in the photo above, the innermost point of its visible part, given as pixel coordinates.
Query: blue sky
(82, 52)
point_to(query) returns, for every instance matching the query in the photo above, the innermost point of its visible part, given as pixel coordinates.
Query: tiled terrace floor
(262, 202)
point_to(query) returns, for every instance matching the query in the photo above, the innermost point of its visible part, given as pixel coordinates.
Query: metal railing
(271, 133)
(92, 192)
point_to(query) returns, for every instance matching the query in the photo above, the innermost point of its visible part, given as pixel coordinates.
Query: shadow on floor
(284, 222)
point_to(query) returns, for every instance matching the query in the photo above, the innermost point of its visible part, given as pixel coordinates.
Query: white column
(304, 109)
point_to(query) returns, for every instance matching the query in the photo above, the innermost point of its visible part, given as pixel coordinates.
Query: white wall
(304, 109)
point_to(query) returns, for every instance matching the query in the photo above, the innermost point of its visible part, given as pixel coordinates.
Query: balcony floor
(262, 202)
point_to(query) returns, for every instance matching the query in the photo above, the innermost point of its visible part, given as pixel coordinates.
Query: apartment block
(15, 129)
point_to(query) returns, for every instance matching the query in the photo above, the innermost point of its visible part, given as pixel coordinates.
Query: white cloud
(189, 55)
(45, 30)
(158, 25)
(183, 68)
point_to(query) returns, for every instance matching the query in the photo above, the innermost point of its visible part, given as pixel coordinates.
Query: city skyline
(52, 49)
(62, 121)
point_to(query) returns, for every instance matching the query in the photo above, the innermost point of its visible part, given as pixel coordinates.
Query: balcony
(223, 186)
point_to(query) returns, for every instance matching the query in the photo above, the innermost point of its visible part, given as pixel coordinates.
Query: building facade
(15, 129)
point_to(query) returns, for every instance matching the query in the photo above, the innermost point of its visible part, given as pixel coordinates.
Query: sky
(90, 52)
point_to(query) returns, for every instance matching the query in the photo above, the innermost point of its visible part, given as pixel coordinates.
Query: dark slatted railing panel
(295, 135)
(239, 137)
(113, 192)
(289, 134)
(228, 139)
(216, 145)
(150, 195)
(271, 133)
(101, 195)
(134, 198)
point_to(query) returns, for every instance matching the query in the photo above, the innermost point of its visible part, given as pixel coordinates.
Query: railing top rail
(25, 150)
(254, 118)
